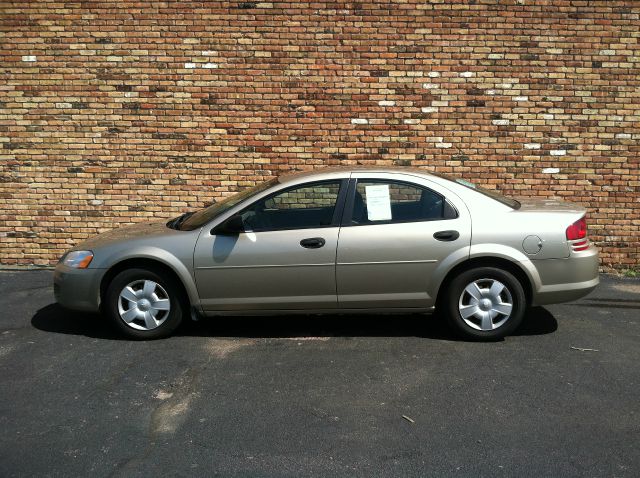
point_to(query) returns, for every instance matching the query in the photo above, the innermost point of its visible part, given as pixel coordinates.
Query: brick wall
(115, 112)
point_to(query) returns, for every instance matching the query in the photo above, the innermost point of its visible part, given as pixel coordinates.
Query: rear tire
(144, 304)
(485, 303)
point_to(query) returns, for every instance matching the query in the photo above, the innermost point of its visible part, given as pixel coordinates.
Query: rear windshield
(512, 203)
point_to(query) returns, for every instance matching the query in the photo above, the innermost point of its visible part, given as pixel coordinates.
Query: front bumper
(77, 289)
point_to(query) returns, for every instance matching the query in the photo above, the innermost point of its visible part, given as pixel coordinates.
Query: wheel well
(497, 262)
(142, 264)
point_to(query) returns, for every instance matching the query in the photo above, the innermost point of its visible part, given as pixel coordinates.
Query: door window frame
(351, 194)
(337, 212)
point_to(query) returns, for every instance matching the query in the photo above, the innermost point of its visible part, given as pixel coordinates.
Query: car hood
(145, 231)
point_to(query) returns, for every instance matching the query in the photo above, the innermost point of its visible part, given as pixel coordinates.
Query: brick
(180, 106)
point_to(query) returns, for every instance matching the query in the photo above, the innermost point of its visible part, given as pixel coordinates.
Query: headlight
(78, 259)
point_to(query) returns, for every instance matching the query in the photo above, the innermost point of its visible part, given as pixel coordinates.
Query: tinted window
(200, 218)
(379, 201)
(311, 205)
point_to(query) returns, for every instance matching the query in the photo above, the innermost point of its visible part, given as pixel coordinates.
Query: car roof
(345, 170)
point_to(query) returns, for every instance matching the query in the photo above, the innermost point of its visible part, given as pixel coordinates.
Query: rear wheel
(144, 304)
(485, 303)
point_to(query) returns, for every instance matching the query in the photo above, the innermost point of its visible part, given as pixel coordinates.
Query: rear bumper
(564, 280)
(77, 289)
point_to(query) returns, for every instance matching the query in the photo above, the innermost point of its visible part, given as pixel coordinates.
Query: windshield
(200, 218)
(512, 203)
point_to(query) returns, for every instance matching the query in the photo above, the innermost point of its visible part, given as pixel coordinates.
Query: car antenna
(461, 155)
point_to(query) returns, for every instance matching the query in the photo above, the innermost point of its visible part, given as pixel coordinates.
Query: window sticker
(378, 202)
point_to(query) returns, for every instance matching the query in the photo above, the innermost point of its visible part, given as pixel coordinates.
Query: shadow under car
(54, 318)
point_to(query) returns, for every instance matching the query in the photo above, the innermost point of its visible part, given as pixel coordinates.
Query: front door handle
(313, 242)
(446, 235)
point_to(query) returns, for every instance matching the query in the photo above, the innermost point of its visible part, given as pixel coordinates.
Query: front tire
(144, 304)
(485, 303)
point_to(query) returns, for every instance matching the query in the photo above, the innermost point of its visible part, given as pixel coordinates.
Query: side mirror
(232, 226)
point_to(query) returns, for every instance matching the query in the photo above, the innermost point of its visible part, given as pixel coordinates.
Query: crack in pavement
(177, 400)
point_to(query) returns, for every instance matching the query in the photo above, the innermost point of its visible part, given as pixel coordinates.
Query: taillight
(578, 232)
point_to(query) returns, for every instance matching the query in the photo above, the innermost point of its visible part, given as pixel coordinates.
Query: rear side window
(382, 201)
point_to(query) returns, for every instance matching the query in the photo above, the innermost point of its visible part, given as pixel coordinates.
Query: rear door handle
(446, 235)
(313, 242)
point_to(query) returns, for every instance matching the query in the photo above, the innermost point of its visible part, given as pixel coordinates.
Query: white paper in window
(378, 202)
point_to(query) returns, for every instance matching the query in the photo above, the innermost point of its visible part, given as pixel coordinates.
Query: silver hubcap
(485, 304)
(144, 305)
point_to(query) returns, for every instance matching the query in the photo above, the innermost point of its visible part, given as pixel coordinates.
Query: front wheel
(144, 304)
(485, 303)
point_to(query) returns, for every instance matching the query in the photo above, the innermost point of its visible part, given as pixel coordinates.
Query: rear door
(397, 230)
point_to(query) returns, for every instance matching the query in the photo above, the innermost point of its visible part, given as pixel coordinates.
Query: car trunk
(549, 205)
(557, 215)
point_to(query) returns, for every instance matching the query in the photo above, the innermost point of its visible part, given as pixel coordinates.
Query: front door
(284, 261)
(392, 242)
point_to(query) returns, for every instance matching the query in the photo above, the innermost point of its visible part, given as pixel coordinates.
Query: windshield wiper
(175, 223)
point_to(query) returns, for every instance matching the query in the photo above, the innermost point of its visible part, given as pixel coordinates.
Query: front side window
(382, 201)
(301, 207)
(200, 218)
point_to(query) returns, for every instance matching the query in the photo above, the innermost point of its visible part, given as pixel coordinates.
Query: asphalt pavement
(319, 396)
